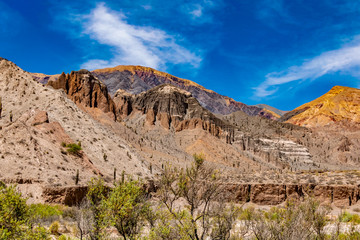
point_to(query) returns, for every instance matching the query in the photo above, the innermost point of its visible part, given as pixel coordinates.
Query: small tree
(13, 212)
(15, 217)
(199, 187)
(84, 218)
(96, 194)
(126, 207)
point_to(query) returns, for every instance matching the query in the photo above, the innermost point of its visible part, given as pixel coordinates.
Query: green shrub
(63, 237)
(54, 228)
(44, 211)
(73, 148)
(348, 217)
(15, 217)
(13, 212)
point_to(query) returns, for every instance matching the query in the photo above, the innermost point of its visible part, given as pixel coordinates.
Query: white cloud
(345, 59)
(134, 45)
(197, 11)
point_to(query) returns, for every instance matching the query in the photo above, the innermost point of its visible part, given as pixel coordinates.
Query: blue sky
(278, 52)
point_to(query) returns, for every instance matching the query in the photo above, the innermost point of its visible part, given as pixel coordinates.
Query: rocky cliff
(85, 89)
(171, 107)
(136, 79)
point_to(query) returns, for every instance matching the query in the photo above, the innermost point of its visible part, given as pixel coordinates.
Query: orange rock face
(85, 90)
(339, 105)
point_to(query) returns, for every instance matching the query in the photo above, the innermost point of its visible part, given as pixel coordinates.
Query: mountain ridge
(340, 105)
(136, 79)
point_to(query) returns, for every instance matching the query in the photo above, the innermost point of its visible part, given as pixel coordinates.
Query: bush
(54, 228)
(44, 211)
(63, 237)
(13, 212)
(348, 217)
(15, 217)
(73, 148)
(125, 206)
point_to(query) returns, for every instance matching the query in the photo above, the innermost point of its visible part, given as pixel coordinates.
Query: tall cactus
(0, 106)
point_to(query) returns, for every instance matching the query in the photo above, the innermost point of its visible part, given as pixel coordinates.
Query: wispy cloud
(345, 59)
(272, 12)
(201, 11)
(136, 45)
(197, 11)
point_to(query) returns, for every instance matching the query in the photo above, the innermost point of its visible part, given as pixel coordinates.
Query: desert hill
(43, 119)
(338, 106)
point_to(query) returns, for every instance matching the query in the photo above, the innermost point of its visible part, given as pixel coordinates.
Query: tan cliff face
(340, 105)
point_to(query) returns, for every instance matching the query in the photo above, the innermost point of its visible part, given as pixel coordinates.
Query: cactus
(114, 174)
(77, 177)
(150, 168)
(0, 106)
(11, 116)
(123, 176)
(105, 157)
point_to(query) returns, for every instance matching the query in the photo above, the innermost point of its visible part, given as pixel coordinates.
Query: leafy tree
(97, 192)
(13, 212)
(15, 217)
(126, 208)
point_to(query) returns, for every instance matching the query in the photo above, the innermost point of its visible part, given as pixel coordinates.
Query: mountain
(44, 119)
(278, 113)
(139, 134)
(172, 108)
(136, 79)
(339, 106)
(43, 78)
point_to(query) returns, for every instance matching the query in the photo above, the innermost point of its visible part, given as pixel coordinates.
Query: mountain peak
(340, 104)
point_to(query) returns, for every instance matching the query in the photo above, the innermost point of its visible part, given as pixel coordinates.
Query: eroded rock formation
(137, 79)
(85, 89)
(170, 107)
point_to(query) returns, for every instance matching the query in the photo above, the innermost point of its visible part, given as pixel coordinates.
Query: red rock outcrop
(273, 194)
(41, 117)
(70, 196)
(85, 90)
(260, 194)
(338, 106)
